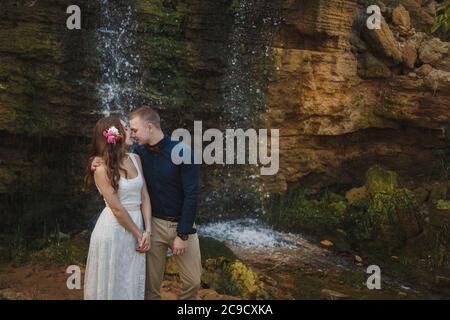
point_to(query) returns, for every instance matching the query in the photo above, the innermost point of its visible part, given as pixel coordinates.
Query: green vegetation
(163, 50)
(48, 253)
(233, 277)
(378, 221)
(442, 21)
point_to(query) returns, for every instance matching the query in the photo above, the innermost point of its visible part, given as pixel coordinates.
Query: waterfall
(117, 57)
(248, 60)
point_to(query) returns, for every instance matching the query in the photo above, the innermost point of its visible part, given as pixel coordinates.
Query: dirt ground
(38, 283)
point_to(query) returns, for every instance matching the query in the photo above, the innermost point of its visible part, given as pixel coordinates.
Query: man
(173, 193)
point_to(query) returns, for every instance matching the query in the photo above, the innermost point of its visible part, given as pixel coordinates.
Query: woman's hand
(144, 243)
(96, 162)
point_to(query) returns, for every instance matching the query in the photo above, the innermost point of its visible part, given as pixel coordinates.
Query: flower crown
(112, 135)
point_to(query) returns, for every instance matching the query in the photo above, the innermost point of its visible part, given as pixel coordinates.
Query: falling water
(249, 64)
(118, 60)
(248, 59)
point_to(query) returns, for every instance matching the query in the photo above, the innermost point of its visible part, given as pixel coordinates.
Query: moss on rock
(233, 278)
(379, 180)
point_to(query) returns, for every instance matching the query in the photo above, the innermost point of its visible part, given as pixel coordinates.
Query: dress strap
(133, 159)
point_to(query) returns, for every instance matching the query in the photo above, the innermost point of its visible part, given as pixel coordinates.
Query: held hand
(138, 241)
(179, 246)
(96, 162)
(144, 243)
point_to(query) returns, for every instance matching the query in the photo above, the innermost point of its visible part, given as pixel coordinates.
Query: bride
(115, 267)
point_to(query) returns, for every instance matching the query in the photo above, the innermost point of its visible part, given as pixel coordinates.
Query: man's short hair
(147, 114)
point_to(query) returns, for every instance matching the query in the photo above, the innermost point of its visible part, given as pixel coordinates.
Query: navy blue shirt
(173, 188)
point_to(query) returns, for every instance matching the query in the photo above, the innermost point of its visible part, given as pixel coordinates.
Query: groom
(173, 194)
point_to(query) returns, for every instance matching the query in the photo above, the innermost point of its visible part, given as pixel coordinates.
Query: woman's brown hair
(112, 154)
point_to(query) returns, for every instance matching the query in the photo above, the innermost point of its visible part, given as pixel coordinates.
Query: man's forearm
(188, 216)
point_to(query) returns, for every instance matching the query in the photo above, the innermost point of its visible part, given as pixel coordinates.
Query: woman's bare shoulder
(100, 171)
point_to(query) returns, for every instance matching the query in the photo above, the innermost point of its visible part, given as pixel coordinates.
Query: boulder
(438, 80)
(401, 18)
(409, 54)
(432, 49)
(233, 278)
(424, 70)
(383, 41)
(421, 12)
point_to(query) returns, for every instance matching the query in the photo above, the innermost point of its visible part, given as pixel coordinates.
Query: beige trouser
(189, 265)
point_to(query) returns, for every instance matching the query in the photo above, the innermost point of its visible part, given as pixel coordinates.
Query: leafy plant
(293, 211)
(442, 20)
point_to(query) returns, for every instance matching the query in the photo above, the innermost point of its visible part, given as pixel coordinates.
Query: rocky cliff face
(347, 97)
(47, 102)
(343, 97)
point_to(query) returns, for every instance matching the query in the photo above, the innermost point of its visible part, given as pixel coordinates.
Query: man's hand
(96, 163)
(179, 246)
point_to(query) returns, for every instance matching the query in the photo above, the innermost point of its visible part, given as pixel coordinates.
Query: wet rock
(213, 248)
(327, 294)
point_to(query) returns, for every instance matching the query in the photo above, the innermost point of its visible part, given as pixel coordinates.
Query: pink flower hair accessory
(112, 135)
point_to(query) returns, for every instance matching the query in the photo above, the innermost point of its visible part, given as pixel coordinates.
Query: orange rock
(326, 243)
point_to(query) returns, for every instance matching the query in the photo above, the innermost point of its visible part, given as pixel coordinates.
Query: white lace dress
(114, 269)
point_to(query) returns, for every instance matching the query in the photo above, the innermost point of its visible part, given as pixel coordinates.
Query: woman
(115, 267)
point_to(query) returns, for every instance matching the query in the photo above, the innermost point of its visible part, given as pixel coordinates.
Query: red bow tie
(154, 149)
